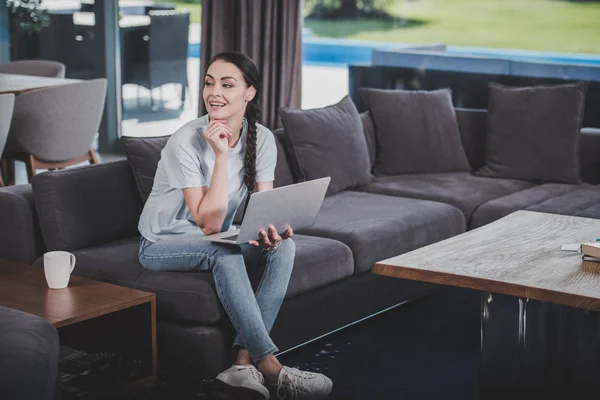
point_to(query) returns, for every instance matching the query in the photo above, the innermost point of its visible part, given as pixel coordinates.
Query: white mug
(58, 266)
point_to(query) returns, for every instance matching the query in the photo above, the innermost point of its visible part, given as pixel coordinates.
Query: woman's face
(225, 91)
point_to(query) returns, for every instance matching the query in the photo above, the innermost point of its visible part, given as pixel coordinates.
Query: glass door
(160, 46)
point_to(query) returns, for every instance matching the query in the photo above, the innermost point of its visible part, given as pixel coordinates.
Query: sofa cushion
(329, 141)
(284, 175)
(472, 124)
(191, 296)
(463, 190)
(180, 295)
(319, 261)
(416, 131)
(377, 227)
(502, 206)
(584, 202)
(369, 131)
(534, 132)
(143, 155)
(86, 206)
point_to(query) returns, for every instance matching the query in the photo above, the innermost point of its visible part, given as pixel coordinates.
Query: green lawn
(193, 6)
(548, 25)
(194, 9)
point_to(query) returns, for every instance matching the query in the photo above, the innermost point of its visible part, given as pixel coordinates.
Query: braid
(252, 115)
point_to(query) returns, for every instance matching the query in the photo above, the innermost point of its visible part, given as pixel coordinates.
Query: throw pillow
(416, 131)
(143, 155)
(533, 132)
(329, 141)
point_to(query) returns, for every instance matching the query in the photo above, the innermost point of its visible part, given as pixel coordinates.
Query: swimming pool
(341, 53)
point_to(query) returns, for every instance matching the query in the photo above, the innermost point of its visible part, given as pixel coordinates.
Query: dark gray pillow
(329, 141)
(143, 155)
(533, 133)
(416, 131)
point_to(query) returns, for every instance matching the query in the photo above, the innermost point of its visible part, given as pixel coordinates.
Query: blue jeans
(252, 314)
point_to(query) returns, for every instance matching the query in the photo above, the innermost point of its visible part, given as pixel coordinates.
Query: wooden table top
(13, 83)
(24, 288)
(518, 255)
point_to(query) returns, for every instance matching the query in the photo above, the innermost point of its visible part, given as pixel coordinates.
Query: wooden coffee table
(90, 316)
(539, 322)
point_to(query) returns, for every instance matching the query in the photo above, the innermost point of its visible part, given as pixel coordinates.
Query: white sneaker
(245, 376)
(294, 384)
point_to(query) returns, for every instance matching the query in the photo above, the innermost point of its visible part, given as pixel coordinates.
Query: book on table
(591, 249)
(590, 258)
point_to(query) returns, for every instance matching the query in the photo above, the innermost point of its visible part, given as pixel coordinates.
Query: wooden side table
(90, 316)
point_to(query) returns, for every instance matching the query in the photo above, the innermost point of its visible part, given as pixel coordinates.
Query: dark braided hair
(252, 78)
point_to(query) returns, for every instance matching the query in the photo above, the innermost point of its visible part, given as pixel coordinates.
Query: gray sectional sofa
(93, 212)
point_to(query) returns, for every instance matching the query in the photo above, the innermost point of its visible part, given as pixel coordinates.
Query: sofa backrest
(86, 206)
(284, 170)
(143, 155)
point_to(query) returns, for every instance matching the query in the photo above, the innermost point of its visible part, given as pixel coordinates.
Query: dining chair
(75, 46)
(158, 55)
(55, 127)
(7, 102)
(48, 68)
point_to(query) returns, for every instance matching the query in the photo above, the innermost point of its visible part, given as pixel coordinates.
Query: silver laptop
(294, 206)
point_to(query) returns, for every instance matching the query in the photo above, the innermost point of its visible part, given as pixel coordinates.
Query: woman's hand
(270, 238)
(217, 134)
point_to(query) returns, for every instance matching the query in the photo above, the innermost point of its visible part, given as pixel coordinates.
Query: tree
(26, 20)
(348, 9)
(27, 16)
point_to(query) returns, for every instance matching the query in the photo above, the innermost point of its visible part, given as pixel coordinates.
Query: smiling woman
(206, 169)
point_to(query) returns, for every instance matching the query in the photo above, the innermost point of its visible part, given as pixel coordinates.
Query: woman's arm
(262, 186)
(208, 205)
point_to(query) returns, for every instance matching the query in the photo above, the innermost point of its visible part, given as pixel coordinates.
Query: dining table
(125, 21)
(17, 84)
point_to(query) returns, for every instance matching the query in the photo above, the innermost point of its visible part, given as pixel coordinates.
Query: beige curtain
(269, 32)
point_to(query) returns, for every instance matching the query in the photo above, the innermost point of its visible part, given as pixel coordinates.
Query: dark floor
(428, 349)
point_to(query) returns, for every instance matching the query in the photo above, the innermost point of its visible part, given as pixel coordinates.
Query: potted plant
(26, 20)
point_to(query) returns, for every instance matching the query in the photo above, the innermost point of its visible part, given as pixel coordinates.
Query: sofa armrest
(20, 236)
(590, 155)
(87, 206)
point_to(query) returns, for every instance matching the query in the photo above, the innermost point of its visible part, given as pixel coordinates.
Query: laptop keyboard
(234, 237)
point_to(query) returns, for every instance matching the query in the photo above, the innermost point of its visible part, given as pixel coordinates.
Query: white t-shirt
(187, 161)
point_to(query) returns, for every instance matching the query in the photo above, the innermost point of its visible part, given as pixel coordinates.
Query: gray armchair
(7, 102)
(55, 127)
(159, 55)
(48, 68)
(29, 352)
